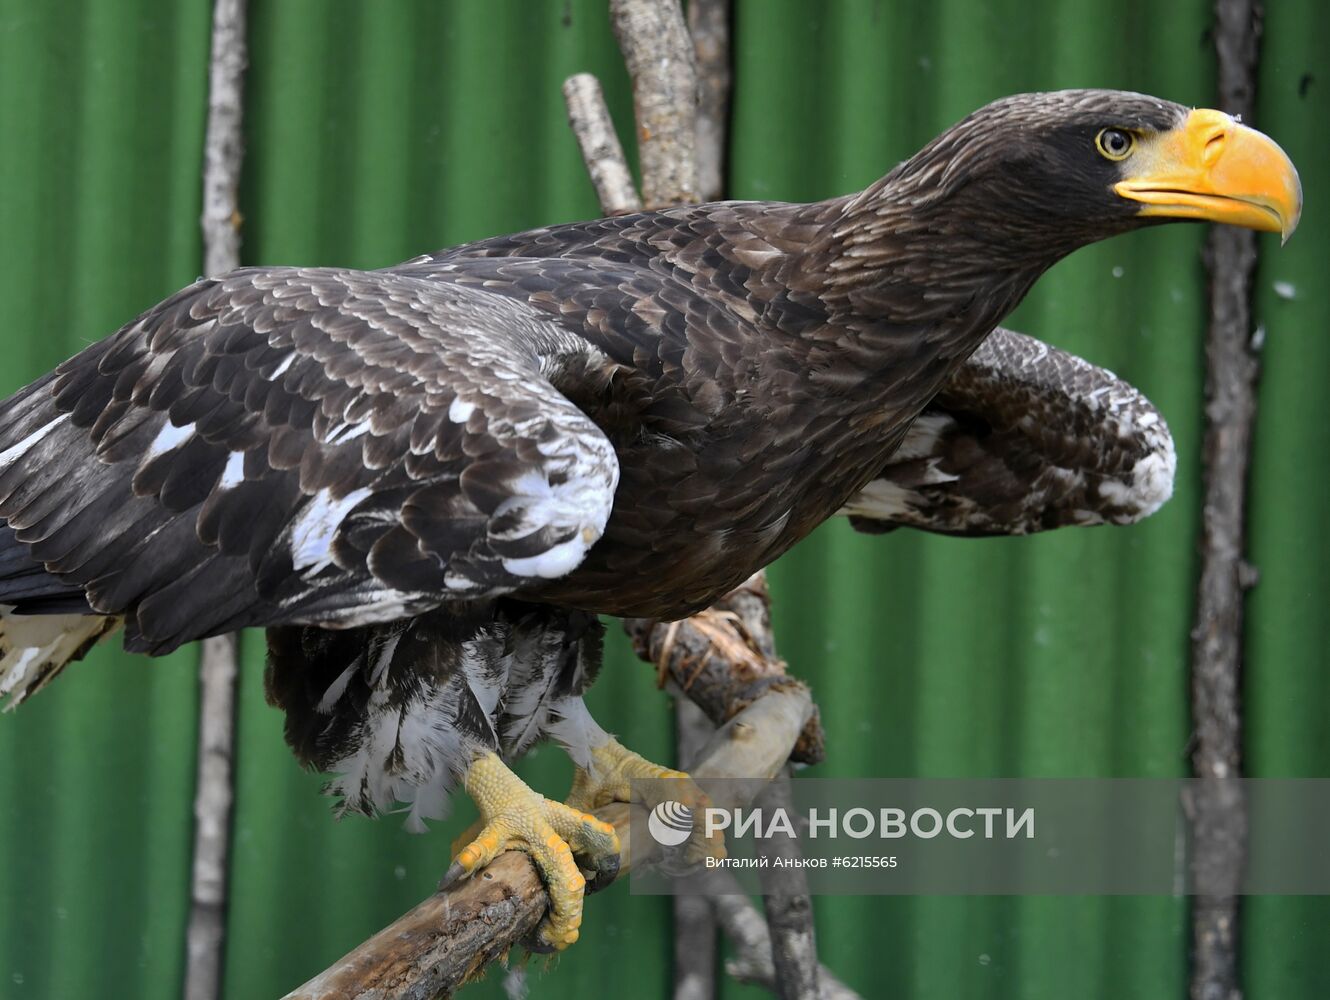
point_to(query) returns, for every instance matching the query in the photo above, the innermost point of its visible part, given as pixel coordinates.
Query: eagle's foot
(516, 818)
(609, 779)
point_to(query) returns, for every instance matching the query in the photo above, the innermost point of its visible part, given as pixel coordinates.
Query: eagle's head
(1045, 173)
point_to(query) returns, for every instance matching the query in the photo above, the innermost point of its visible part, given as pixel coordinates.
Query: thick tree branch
(725, 657)
(659, 55)
(1217, 812)
(709, 27)
(218, 666)
(709, 24)
(695, 925)
(224, 143)
(591, 124)
(751, 938)
(788, 905)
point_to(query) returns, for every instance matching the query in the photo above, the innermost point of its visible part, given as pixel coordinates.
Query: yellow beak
(1213, 167)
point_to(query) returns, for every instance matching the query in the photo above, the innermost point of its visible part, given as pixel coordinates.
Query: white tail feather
(35, 648)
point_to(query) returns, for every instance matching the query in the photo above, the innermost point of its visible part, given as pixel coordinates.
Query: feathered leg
(514, 817)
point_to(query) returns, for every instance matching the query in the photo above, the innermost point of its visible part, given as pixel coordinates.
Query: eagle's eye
(1114, 143)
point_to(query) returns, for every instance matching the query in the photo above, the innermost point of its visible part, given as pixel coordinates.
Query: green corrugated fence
(380, 130)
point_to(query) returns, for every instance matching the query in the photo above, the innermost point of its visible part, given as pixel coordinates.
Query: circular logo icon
(670, 823)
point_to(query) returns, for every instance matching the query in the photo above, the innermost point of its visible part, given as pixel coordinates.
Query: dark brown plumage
(626, 416)
(1023, 438)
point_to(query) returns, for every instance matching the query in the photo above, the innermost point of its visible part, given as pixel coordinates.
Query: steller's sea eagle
(427, 481)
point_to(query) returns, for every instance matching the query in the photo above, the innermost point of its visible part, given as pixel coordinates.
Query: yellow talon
(514, 817)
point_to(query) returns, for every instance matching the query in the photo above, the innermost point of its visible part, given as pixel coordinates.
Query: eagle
(428, 482)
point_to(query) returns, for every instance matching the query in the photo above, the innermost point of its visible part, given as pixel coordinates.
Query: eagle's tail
(44, 622)
(35, 648)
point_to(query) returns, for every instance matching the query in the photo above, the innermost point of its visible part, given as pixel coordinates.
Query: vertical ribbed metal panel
(101, 121)
(1287, 685)
(377, 131)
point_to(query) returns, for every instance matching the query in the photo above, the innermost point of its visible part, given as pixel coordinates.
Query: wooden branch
(448, 939)
(591, 124)
(695, 928)
(725, 657)
(224, 143)
(659, 56)
(205, 936)
(709, 26)
(751, 939)
(1218, 814)
(214, 796)
(788, 906)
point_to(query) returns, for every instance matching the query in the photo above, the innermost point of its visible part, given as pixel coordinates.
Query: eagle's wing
(1023, 438)
(316, 445)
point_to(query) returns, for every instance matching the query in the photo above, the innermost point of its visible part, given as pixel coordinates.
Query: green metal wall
(379, 130)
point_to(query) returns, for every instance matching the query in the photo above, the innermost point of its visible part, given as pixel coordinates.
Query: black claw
(605, 872)
(534, 944)
(452, 876)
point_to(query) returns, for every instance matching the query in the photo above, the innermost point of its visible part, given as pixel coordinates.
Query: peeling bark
(725, 657)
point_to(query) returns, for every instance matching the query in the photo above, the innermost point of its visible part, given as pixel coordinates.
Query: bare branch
(205, 936)
(724, 657)
(224, 144)
(694, 922)
(443, 942)
(709, 25)
(1218, 818)
(591, 124)
(788, 905)
(659, 56)
(751, 940)
(213, 799)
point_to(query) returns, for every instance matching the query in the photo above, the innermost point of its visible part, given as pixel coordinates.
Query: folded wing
(286, 445)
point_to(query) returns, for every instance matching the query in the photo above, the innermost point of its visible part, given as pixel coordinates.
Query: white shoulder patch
(13, 453)
(459, 410)
(922, 438)
(169, 438)
(580, 505)
(234, 473)
(280, 370)
(313, 532)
